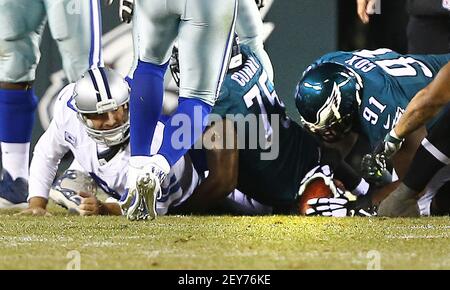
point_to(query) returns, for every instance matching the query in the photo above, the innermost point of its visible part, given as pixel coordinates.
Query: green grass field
(223, 242)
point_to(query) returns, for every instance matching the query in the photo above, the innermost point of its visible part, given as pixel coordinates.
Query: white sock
(142, 161)
(136, 164)
(139, 161)
(15, 159)
(162, 162)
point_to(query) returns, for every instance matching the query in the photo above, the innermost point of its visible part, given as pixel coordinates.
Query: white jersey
(66, 133)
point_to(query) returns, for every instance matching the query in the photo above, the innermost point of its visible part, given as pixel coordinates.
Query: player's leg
(156, 28)
(439, 185)
(440, 205)
(77, 28)
(204, 44)
(134, 64)
(249, 28)
(178, 186)
(209, 28)
(237, 203)
(433, 154)
(19, 56)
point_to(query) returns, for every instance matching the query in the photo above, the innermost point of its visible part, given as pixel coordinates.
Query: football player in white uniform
(76, 27)
(91, 119)
(204, 30)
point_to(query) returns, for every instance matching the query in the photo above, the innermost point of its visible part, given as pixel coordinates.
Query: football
(315, 189)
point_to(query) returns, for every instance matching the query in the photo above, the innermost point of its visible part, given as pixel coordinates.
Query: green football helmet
(328, 97)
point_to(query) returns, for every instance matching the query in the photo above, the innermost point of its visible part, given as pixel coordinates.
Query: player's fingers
(362, 11)
(92, 201)
(85, 207)
(323, 208)
(25, 212)
(340, 212)
(85, 194)
(335, 206)
(85, 213)
(338, 201)
(310, 211)
(312, 201)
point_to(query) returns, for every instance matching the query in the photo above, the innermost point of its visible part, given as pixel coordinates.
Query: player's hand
(362, 10)
(391, 144)
(335, 207)
(365, 8)
(89, 205)
(374, 169)
(260, 3)
(36, 207)
(34, 211)
(330, 207)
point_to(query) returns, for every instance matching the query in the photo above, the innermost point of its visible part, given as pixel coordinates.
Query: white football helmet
(101, 90)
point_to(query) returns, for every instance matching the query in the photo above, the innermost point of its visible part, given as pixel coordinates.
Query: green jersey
(274, 152)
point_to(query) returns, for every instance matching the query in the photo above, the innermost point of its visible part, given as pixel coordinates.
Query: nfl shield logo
(70, 138)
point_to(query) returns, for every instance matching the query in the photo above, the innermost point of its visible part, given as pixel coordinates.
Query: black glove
(260, 3)
(125, 9)
(374, 169)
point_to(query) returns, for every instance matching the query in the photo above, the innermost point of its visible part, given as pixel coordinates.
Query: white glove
(391, 144)
(336, 207)
(323, 172)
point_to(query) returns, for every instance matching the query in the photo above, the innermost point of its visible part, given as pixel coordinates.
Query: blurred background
(297, 32)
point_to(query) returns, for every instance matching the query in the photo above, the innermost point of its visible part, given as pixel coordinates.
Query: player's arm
(403, 158)
(362, 10)
(46, 157)
(222, 165)
(426, 104)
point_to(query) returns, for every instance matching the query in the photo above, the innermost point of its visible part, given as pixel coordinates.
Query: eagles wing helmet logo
(331, 107)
